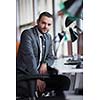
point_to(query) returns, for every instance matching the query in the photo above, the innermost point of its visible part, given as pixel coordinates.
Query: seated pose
(35, 57)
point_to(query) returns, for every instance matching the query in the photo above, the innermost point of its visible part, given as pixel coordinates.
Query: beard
(43, 30)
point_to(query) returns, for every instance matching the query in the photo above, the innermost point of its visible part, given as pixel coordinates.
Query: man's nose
(46, 25)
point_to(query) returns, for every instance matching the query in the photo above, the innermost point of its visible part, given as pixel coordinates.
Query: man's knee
(65, 82)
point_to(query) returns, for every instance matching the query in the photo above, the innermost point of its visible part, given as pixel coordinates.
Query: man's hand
(43, 69)
(40, 85)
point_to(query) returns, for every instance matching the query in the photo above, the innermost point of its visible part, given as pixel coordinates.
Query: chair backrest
(17, 47)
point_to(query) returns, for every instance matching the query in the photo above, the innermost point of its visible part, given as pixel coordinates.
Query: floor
(68, 96)
(72, 96)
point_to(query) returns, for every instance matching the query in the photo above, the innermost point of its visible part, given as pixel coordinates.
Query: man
(35, 57)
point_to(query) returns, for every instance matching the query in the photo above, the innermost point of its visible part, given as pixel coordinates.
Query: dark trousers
(56, 82)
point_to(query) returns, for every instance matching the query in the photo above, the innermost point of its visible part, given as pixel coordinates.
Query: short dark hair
(45, 14)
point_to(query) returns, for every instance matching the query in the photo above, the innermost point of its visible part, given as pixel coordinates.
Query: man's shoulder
(29, 30)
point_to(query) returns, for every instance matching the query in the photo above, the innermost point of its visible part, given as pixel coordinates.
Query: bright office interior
(27, 12)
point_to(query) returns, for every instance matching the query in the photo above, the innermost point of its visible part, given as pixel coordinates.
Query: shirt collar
(39, 33)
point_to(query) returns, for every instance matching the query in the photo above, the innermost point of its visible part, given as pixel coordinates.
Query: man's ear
(37, 21)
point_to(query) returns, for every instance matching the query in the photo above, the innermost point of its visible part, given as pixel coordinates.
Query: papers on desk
(60, 65)
(62, 62)
(73, 62)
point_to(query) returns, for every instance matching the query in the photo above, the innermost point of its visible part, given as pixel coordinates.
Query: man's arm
(26, 51)
(50, 57)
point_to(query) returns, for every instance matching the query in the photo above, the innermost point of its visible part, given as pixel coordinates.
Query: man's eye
(43, 22)
(49, 24)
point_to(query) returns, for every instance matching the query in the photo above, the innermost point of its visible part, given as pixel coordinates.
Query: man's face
(45, 24)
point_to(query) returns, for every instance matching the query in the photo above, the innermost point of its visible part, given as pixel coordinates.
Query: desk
(64, 68)
(60, 65)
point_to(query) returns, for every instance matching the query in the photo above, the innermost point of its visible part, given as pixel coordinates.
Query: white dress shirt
(40, 48)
